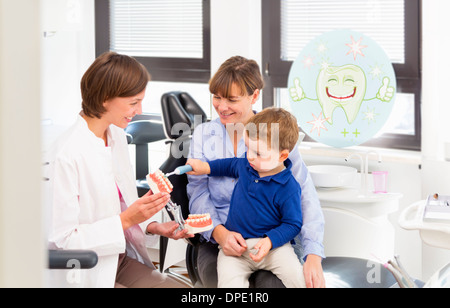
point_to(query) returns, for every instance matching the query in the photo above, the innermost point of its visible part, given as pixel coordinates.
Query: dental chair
(63, 259)
(181, 114)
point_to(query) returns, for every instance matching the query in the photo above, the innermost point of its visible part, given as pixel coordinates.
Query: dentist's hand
(143, 209)
(169, 230)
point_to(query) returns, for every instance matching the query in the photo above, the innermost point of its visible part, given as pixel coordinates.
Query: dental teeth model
(158, 182)
(197, 223)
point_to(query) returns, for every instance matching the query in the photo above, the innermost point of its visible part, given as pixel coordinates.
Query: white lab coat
(85, 204)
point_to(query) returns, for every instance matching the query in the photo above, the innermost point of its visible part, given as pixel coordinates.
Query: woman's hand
(232, 243)
(312, 269)
(169, 230)
(143, 209)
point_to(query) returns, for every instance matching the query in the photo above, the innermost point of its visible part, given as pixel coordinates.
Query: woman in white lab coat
(95, 205)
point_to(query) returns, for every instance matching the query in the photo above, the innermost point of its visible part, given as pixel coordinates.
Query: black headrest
(144, 131)
(180, 107)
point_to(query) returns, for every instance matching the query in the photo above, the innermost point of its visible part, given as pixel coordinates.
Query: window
(288, 25)
(170, 37)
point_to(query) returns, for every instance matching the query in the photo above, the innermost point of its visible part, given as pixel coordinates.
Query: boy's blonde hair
(276, 126)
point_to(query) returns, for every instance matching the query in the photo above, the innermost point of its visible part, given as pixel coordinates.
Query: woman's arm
(311, 236)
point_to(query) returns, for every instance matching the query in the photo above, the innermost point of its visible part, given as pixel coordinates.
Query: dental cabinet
(357, 225)
(356, 219)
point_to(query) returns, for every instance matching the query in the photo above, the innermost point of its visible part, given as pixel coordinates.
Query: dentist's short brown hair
(110, 76)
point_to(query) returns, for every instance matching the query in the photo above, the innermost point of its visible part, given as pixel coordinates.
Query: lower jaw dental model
(195, 223)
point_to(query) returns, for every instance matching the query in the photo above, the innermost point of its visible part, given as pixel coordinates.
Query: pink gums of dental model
(197, 223)
(158, 182)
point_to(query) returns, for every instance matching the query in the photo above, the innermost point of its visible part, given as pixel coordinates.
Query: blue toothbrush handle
(183, 169)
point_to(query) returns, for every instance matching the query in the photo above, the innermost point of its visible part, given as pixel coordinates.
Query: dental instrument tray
(437, 209)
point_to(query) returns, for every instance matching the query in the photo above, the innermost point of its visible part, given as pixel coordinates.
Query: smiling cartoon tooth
(343, 87)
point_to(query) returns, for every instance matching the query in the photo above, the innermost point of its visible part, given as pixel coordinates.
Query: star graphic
(308, 61)
(317, 123)
(356, 48)
(376, 71)
(325, 64)
(370, 115)
(322, 47)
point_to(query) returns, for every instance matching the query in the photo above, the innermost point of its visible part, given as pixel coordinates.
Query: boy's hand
(198, 167)
(263, 247)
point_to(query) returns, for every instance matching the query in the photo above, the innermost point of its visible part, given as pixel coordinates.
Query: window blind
(157, 28)
(382, 20)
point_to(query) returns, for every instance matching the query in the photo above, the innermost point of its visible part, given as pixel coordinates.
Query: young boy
(265, 205)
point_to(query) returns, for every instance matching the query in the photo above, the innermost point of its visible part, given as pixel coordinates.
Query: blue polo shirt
(268, 206)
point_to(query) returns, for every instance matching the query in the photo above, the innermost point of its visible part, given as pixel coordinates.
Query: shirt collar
(281, 177)
(91, 136)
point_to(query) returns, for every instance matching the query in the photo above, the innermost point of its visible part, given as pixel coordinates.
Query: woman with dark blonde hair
(235, 89)
(95, 205)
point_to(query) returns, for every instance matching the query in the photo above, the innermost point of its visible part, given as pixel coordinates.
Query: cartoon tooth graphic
(344, 97)
(343, 87)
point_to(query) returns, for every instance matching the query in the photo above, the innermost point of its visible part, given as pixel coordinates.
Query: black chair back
(143, 130)
(181, 114)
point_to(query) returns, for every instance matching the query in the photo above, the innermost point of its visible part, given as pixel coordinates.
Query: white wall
(22, 254)
(235, 30)
(435, 113)
(67, 52)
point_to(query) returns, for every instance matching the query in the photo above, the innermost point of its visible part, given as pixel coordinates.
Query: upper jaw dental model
(196, 223)
(158, 182)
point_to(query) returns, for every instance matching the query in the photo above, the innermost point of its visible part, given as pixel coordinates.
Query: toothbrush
(180, 170)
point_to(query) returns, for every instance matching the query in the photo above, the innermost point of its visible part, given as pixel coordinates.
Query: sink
(332, 176)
